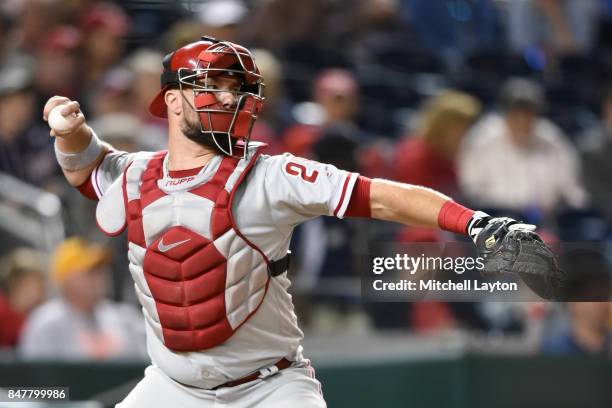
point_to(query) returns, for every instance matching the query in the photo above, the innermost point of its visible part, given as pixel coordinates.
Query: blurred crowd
(505, 105)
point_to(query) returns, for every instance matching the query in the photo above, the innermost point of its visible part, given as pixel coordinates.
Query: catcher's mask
(193, 66)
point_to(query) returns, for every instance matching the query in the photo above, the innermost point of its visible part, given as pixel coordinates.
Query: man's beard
(193, 132)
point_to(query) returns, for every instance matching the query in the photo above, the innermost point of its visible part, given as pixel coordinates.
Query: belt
(263, 373)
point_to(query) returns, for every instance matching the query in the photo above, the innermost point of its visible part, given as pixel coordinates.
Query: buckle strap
(279, 266)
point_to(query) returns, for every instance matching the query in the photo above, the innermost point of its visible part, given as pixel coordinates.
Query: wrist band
(80, 160)
(454, 217)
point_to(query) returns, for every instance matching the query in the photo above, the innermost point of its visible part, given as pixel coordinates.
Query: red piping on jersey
(94, 182)
(344, 187)
(87, 189)
(359, 203)
(244, 173)
(454, 217)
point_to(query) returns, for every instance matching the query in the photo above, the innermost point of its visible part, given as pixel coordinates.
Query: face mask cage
(225, 126)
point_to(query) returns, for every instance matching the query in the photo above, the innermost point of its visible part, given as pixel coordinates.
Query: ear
(172, 98)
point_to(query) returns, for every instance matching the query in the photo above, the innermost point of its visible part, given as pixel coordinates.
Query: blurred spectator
(81, 323)
(596, 164)
(588, 332)
(26, 150)
(376, 26)
(222, 19)
(23, 284)
(588, 290)
(335, 100)
(517, 160)
(274, 24)
(428, 158)
(103, 26)
(58, 63)
(276, 114)
(558, 27)
(112, 94)
(34, 20)
(121, 130)
(146, 68)
(336, 91)
(145, 65)
(181, 33)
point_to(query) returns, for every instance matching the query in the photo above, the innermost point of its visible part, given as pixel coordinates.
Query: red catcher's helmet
(192, 65)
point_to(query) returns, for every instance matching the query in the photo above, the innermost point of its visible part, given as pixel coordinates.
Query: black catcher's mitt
(509, 246)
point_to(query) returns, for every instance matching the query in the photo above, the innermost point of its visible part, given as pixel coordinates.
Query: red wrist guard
(454, 217)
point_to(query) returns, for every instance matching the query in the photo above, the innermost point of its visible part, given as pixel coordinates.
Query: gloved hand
(510, 246)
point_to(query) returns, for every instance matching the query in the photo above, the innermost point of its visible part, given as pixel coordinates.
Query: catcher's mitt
(509, 246)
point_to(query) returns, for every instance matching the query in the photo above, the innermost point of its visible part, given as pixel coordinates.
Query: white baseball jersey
(278, 193)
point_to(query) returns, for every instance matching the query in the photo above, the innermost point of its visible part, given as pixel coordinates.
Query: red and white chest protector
(197, 278)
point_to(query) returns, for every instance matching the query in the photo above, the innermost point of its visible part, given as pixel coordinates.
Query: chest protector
(197, 277)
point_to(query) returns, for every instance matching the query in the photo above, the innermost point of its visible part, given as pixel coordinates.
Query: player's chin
(211, 140)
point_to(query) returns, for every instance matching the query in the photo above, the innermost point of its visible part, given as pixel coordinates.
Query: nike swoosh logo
(165, 248)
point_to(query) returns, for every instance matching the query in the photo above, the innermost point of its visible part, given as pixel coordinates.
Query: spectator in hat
(23, 287)
(81, 323)
(517, 159)
(26, 151)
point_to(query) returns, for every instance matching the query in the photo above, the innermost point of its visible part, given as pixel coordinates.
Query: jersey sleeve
(109, 169)
(298, 189)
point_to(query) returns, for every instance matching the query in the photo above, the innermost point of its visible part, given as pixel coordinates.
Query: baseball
(57, 121)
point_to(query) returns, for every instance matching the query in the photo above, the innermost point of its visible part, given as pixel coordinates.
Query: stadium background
(399, 89)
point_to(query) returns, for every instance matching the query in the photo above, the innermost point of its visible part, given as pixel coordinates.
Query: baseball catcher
(209, 222)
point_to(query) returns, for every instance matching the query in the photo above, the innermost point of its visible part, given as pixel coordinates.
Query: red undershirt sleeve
(87, 189)
(359, 205)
